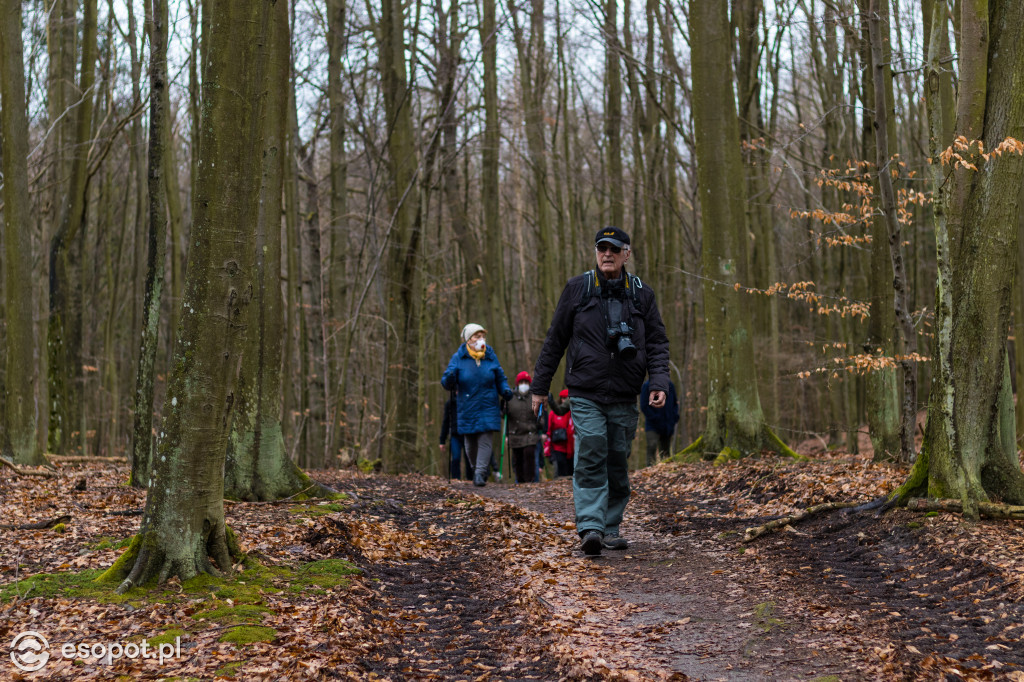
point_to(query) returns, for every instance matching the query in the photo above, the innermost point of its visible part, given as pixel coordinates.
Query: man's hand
(536, 401)
(657, 399)
(442, 447)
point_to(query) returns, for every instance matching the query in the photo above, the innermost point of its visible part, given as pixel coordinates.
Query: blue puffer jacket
(478, 390)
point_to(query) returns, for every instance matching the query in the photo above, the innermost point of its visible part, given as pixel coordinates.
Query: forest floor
(414, 577)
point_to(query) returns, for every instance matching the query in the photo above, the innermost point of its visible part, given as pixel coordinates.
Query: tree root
(21, 471)
(145, 562)
(988, 510)
(757, 531)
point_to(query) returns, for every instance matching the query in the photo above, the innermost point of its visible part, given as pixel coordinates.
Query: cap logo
(609, 234)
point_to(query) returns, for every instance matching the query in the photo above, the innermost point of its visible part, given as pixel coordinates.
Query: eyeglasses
(605, 246)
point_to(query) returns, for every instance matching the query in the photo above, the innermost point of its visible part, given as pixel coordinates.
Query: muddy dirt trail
(501, 589)
(711, 615)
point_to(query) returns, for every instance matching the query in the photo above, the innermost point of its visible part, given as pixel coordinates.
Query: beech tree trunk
(64, 337)
(21, 406)
(735, 422)
(258, 467)
(965, 454)
(183, 525)
(404, 236)
(142, 443)
(882, 392)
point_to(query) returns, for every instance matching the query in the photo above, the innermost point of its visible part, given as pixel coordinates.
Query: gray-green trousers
(600, 484)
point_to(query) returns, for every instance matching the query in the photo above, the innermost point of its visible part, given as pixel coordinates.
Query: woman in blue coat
(475, 373)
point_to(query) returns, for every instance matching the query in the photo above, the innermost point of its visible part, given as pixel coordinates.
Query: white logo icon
(29, 651)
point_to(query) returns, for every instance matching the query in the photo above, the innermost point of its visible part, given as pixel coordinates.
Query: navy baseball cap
(612, 235)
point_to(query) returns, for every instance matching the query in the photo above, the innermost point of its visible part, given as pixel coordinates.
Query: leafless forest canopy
(449, 162)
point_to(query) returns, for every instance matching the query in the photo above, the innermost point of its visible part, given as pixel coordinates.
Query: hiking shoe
(614, 542)
(592, 543)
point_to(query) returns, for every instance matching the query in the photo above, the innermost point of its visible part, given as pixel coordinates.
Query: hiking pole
(501, 457)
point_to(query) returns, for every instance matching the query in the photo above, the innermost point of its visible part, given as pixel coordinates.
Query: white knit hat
(470, 329)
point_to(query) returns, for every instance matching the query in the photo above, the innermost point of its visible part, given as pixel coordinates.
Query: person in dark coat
(475, 373)
(522, 430)
(659, 422)
(450, 428)
(561, 435)
(608, 327)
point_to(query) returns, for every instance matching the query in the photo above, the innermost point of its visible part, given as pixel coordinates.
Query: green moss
(247, 634)
(203, 583)
(167, 638)
(60, 528)
(243, 593)
(828, 678)
(110, 543)
(915, 524)
(240, 613)
(765, 615)
(691, 453)
(327, 573)
(66, 585)
(727, 455)
(932, 514)
(318, 509)
(124, 563)
(230, 670)
(368, 466)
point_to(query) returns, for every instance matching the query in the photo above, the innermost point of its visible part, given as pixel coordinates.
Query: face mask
(524, 389)
(479, 344)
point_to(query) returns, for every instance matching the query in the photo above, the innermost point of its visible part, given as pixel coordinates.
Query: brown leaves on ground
(489, 584)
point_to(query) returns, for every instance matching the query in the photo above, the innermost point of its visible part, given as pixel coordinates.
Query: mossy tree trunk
(183, 525)
(735, 421)
(258, 467)
(20, 402)
(142, 443)
(965, 454)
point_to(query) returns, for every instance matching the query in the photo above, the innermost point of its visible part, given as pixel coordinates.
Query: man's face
(611, 258)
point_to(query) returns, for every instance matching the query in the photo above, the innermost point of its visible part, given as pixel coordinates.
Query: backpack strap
(589, 285)
(633, 286)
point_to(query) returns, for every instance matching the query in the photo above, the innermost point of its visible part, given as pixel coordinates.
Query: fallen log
(39, 525)
(987, 509)
(84, 459)
(22, 471)
(775, 524)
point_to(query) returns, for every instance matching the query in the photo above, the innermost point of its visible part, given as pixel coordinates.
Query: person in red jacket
(561, 435)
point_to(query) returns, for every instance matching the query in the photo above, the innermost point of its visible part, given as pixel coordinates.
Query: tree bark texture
(258, 467)
(976, 235)
(882, 392)
(405, 232)
(142, 443)
(906, 345)
(735, 421)
(21, 401)
(64, 337)
(183, 524)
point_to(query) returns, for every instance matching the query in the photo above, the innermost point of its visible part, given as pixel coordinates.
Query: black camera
(620, 339)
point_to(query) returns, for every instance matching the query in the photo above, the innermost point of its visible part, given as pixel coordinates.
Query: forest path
(709, 614)
(505, 591)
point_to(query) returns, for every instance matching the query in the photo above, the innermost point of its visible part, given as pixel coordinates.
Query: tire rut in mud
(447, 616)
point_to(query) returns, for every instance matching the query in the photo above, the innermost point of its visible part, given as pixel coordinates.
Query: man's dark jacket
(593, 370)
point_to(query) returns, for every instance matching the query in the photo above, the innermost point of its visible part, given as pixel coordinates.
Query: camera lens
(625, 348)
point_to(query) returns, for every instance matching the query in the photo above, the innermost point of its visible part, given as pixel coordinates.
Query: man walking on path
(609, 322)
